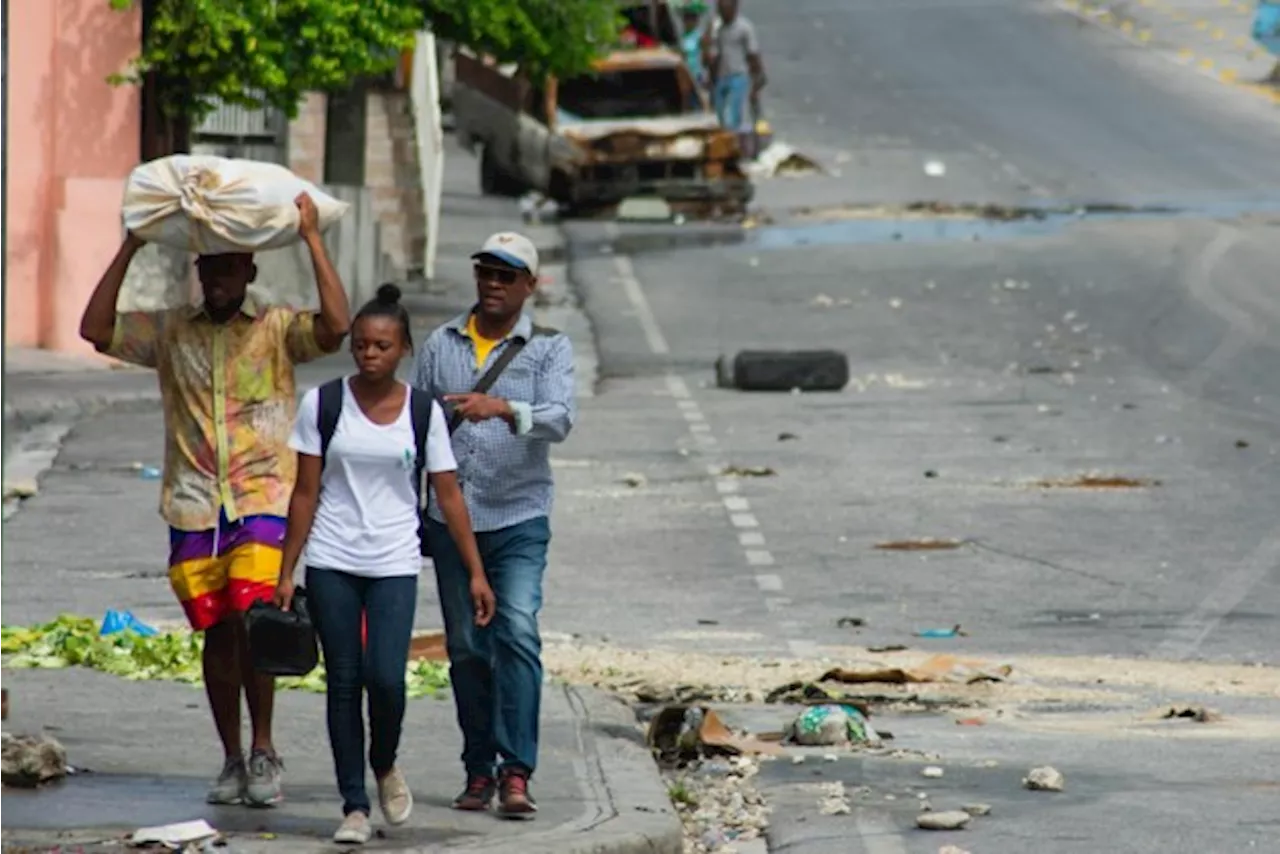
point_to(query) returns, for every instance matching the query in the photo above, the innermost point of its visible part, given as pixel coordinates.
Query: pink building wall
(73, 139)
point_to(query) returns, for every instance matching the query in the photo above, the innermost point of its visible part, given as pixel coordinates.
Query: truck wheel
(494, 181)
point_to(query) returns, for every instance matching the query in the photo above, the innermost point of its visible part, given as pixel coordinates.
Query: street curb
(626, 809)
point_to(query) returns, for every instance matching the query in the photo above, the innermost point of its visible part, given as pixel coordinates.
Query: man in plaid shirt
(502, 443)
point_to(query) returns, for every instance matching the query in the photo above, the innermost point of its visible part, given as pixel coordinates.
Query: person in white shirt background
(355, 515)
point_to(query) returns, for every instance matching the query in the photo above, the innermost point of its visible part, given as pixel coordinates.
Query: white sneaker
(354, 830)
(395, 798)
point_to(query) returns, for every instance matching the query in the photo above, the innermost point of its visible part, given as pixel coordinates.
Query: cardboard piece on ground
(936, 668)
(670, 738)
(428, 647)
(174, 835)
(714, 734)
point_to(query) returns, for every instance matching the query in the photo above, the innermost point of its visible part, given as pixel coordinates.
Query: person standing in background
(225, 369)
(509, 385)
(737, 73)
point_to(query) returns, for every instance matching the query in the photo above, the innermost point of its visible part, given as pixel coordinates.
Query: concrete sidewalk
(150, 750)
(90, 539)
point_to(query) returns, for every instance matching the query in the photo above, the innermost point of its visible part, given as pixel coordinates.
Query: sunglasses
(501, 275)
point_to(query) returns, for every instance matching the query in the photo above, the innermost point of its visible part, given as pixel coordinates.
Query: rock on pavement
(28, 761)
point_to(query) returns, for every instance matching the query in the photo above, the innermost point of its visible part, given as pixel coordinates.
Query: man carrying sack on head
(225, 369)
(509, 388)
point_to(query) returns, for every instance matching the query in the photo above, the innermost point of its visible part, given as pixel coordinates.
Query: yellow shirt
(484, 346)
(229, 403)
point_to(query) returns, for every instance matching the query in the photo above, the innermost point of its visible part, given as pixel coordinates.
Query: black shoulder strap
(420, 413)
(328, 413)
(505, 358)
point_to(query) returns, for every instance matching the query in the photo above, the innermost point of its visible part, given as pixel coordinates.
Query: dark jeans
(337, 600)
(496, 671)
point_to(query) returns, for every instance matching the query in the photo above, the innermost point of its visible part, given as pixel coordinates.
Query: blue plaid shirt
(505, 473)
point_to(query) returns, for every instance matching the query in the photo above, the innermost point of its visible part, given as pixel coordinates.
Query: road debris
(831, 724)
(1199, 714)
(21, 489)
(748, 471)
(780, 159)
(925, 544)
(933, 772)
(953, 632)
(175, 835)
(1046, 778)
(850, 623)
(936, 668)
(634, 479)
(787, 437)
(952, 849)
(1096, 481)
(946, 820)
(719, 809)
(681, 734)
(977, 809)
(30, 761)
(834, 800)
(935, 168)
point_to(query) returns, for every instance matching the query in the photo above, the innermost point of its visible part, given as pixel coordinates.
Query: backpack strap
(328, 412)
(506, 357)
(420, 414)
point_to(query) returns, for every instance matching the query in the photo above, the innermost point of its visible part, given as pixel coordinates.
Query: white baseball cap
(511, 248)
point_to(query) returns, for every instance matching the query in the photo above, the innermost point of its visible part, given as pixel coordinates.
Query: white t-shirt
(367, 519)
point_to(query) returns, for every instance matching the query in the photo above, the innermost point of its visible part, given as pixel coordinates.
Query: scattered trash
(787, 437)
(124, 621)
(850, 623)
(174, 835)
(634, 479)
(954, 631)
(682, 733)
(1199, 714)
(830, 757)
(893, 647)
(748, 471)
(930, 473)
(834, 800)
(704, 622)
(29, 761)
(952, 849)
(936, 668)
(970, 722)
(933, 772)
(925, 544)
(798, 759)
(947, 820)
(781, 159)
(1092, 481)
(1241, 443)
(831, 724)
(977, 809)
(21, 489)
(1044, 779)
(935, 168)
(149, 473)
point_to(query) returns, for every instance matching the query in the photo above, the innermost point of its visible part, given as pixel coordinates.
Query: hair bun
(388, 294)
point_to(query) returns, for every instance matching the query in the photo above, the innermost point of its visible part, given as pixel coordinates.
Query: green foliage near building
(198, 53)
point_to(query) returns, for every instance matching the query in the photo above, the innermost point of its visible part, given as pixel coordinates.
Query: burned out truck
(637, 126)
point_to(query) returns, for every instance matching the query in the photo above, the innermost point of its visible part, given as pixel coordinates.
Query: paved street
(993, 363)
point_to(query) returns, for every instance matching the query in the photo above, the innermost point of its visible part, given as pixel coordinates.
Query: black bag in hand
(282, 643)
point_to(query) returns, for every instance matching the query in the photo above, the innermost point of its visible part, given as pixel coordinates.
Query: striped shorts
(223, 571)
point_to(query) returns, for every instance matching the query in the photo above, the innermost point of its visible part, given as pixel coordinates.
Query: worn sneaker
(354, 830)
(230, 785)
(262, 789)
(514, 800)
(478, 794)
(395, 798)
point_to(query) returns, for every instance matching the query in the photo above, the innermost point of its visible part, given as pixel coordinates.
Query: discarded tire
(784, 370)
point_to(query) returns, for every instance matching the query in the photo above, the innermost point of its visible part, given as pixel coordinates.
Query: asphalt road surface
(1135, 340)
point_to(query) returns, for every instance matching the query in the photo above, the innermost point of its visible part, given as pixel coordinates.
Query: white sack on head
(212, 205)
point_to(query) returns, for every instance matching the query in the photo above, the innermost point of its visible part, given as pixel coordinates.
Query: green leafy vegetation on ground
(72, 641)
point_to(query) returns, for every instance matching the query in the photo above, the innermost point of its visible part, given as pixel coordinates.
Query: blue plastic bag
(1266, 26)
(120, 621)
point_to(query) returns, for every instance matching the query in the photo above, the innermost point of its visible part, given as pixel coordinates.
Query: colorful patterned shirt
(229, 401)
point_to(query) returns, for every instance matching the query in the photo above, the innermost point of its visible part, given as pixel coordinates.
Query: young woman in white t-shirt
(354, 513)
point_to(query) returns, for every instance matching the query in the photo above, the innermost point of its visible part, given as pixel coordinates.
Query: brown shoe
(514, 800)
(478, 794)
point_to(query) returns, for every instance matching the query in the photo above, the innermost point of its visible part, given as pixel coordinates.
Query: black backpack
(330, 410)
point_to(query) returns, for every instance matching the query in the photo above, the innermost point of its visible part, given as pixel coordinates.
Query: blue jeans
(496, 671)
(730, 96)
(337, 600)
